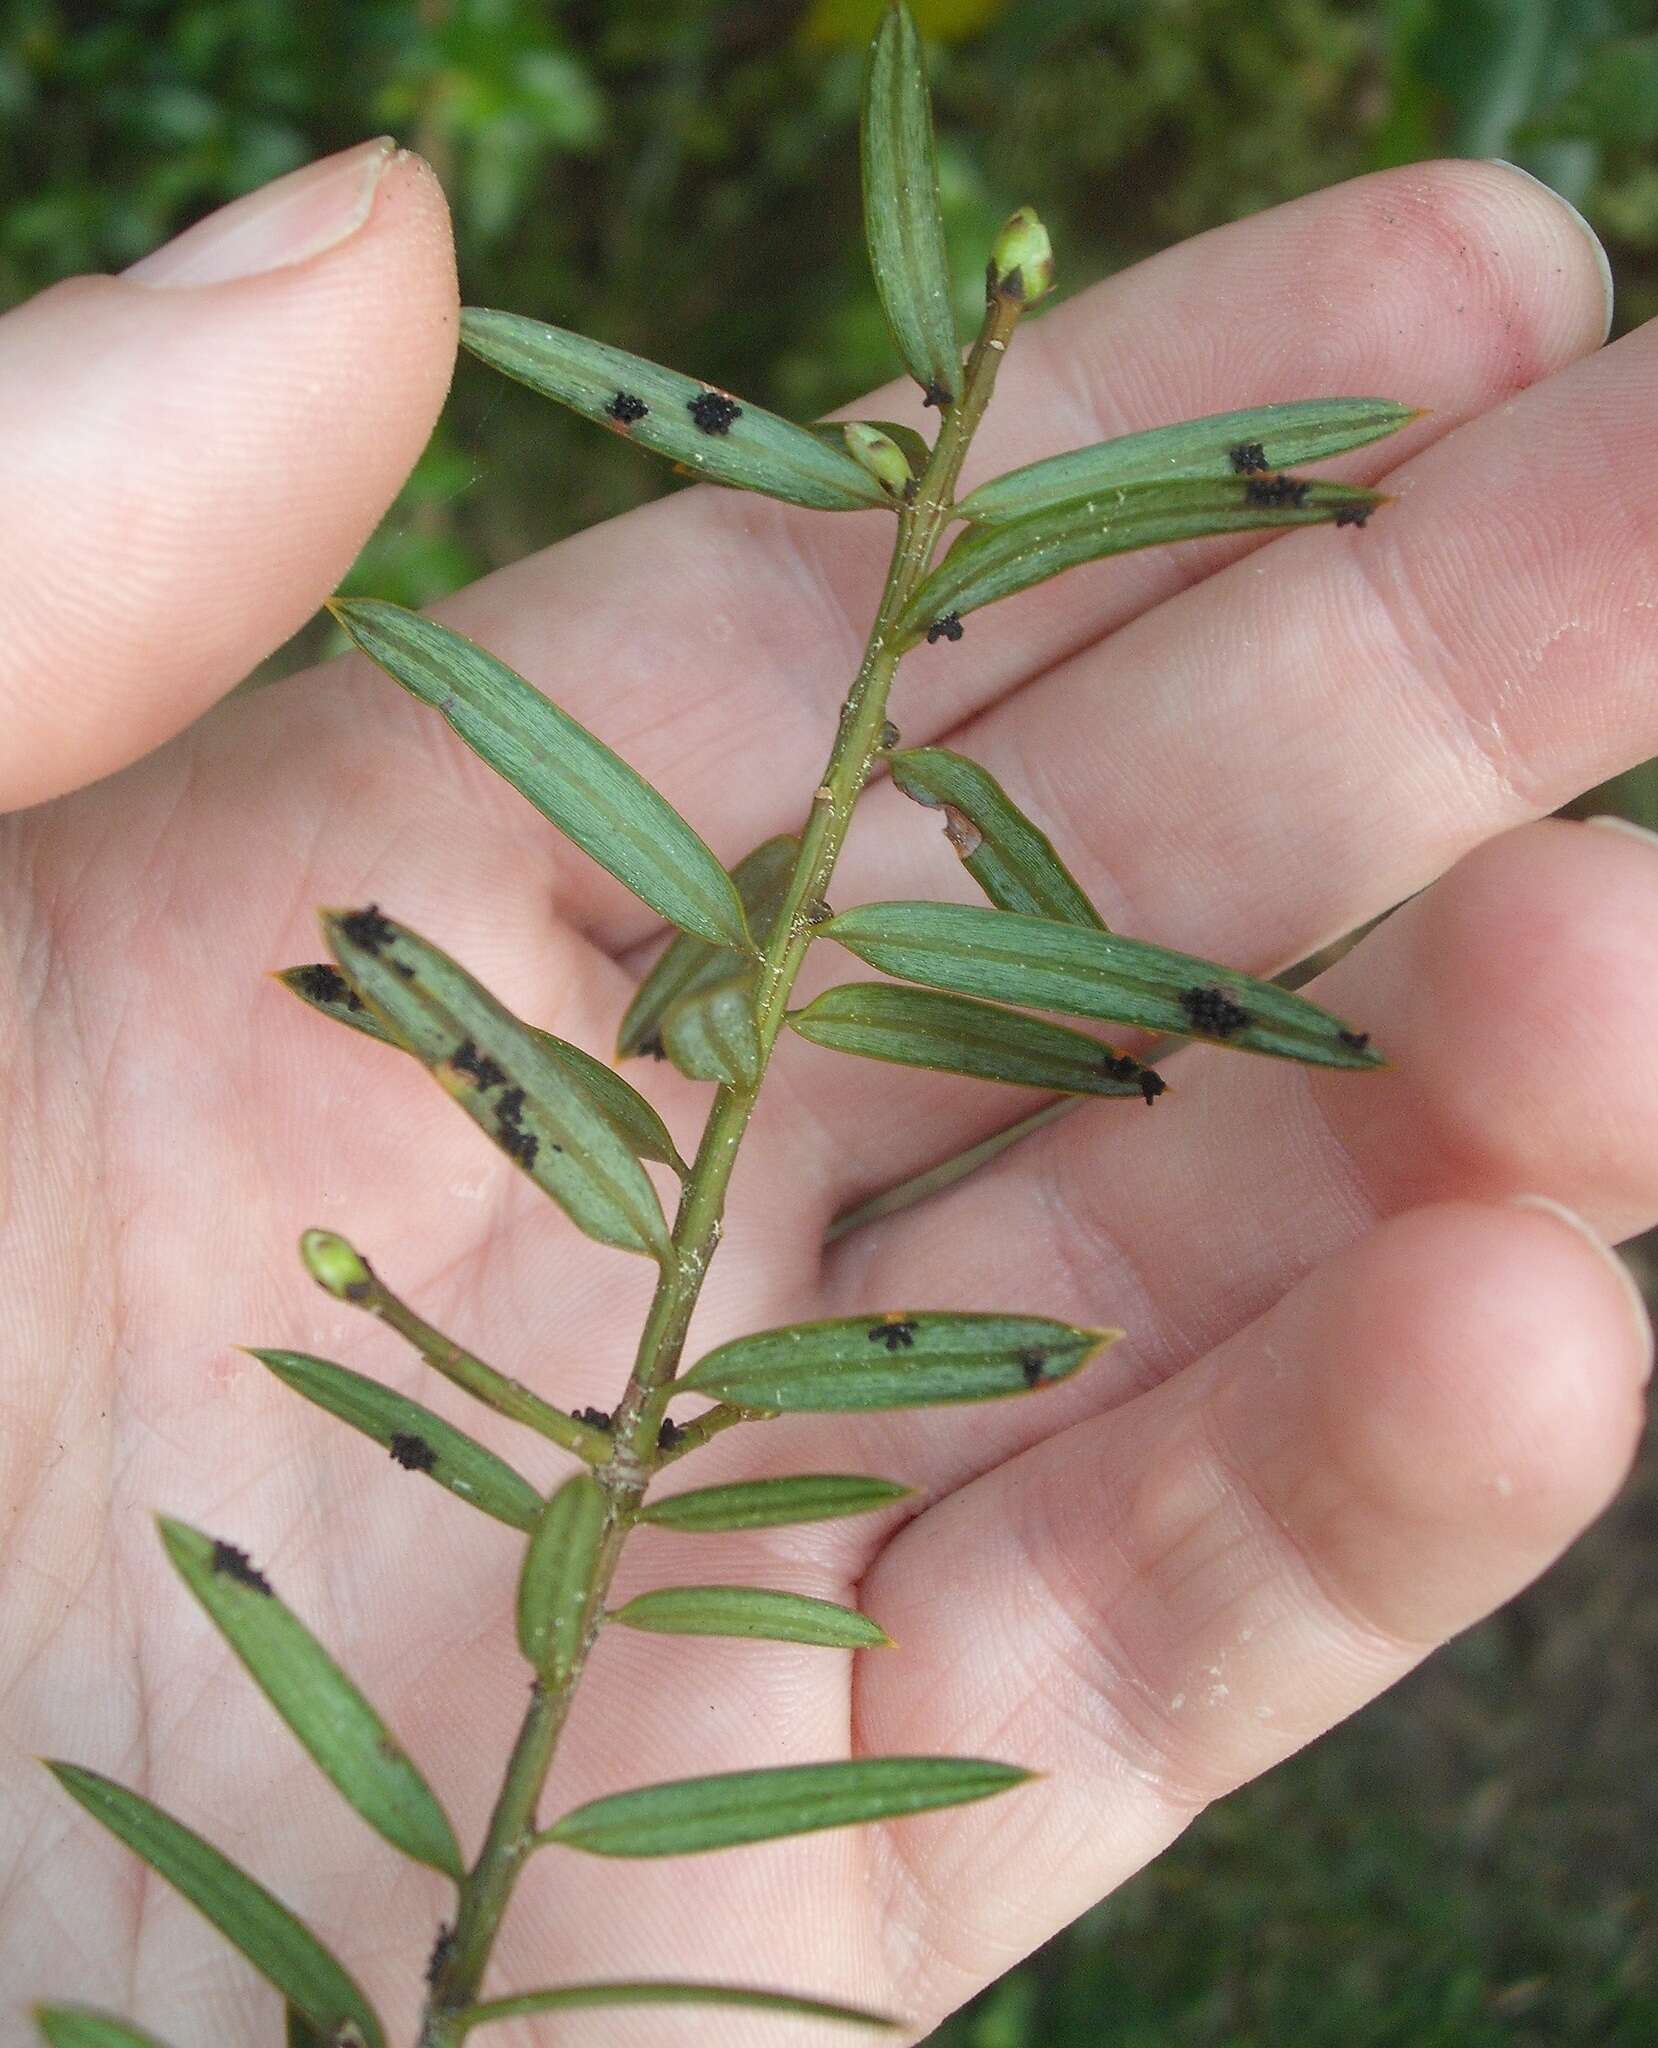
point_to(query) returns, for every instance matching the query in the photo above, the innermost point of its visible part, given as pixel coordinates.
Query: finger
(1153, 1608)
(197, 449)
(687, 625)
(1514, 1001)
(1277, 756)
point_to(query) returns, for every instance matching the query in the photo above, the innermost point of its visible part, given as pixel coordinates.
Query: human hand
(1364, 1396)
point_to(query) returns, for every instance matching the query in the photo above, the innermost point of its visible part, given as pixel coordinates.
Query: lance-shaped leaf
(571, 777)
(774, 1503)
(416, 1438)
(991, 562)
(1264, 439)
(761, 879)
(331, 1718)
(81, 2026)
(503, 1077)
(711, 433)
(902, 223)
(1010, 858)
(908, 1360)
(713, 1034)
(1050, 966)
(579, 1997)
(558, 1575)
(692, 1814)
(326, 989)
(284, 1951)
(914, 1027)
(752, 1611)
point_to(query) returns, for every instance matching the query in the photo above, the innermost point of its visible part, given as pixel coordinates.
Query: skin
(1366, 1394)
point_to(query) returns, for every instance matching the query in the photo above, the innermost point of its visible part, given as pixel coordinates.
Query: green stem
(635, 1455)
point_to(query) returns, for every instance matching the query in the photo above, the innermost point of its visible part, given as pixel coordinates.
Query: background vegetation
(1469, 1862)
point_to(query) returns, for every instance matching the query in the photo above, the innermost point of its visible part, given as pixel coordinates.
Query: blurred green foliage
(1468, 1864)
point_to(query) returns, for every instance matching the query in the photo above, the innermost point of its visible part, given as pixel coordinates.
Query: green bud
(881, 456)
(335, 1265)
(1022, 260)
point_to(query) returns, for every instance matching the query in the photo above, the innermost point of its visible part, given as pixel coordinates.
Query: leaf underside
(571, 776)
(690, 1815)
(577, 1997)
(714, 435)
(1044, 965)
(557, 1577)
(751, 1611)
(774, 1503)
(916, 1358)
(346, 1738)
(279, 1946)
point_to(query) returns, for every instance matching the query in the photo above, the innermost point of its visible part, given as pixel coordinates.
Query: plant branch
(634, 1451)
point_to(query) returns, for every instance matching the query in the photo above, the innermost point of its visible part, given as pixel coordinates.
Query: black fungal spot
(1353, 515)
(713, 412)
(236, 1564)
(652, 1047)
(1213, 1012)
(624, 409)
(412, 1452)
(897, 1334)
(1248, 458)
(368, 929)
(937, 394)
(442, 1949)
(1117, 1066)
(948, 628)
(514, 1140)
(668, 1436)
(1355, 1041)
(466, 1059)
(1152, 1085)
(595, 1418)
(890, 735)
(1031, 1364)
(323, 984)
(1276, 490)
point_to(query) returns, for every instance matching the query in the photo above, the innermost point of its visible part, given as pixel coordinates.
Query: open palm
(1365, 1394)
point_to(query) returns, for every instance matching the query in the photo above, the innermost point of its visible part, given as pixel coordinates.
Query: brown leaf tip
(1276, 490)
(1248, 458)
(896, 1332)
(949, 628)
(367, 928)
(235, 1564)
(713, 412)
(412, 1452)
(1213, 1012)
(625, 409)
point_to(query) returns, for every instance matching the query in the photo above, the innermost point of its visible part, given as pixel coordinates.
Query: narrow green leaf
(1264, 439)
(894, 1361)
(710, 432)
(773, 1503)
(571, 777)
(80, 2026)
(503, 1077)
(557, 1578)
(692, 1814)
(280, 1948)
(578, 1997)
(902, 223)
(751, 1611)
(1048, 966)
(1010, 858)
(761, 879)
(345, 1736)
(913, 446)
(713, 1034)
(417, 1439)
(326, 989)
(991, 562)
(913, 1027)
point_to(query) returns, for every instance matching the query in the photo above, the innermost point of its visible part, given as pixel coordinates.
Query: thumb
(196, 450)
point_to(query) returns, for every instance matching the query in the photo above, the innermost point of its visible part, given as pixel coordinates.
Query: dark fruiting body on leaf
(441, 1949)
(897, 1333)
(324, 984)
(949, 627)
(236, 1564)
(466, 1059)
(1213, 1012)
(368, 929)
(412, 1452)
(1353, 515)
(713, 412)
(1031, 1364)
(668, 1436)
(936, 394)
(1248, 458)
(1355, 1041)
(1276, 490)
(595, 1418)
(625, 409)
